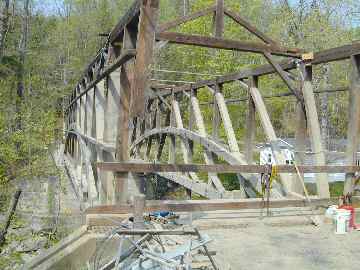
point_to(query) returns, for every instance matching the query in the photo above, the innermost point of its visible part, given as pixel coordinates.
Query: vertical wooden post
(219, 18)
(354, 122)
(144, 54)
(86, 114)
(89, 112)
(300, 145)
(124, 120)
(112, 108)
(314, 130)
(99, 113)
(172, 145)
(250, 129)
(139, 208)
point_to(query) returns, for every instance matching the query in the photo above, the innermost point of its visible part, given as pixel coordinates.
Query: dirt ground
(279, 243)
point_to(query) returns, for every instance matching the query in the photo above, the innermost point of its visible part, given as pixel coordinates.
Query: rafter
(252, 29)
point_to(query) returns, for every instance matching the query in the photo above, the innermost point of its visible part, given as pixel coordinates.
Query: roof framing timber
(226, 44)
(321, 57)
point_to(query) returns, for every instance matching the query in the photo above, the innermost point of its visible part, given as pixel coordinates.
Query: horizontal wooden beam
(220, 168)
(326, 56)
(226, 44)
(123, 58)
(209, 205)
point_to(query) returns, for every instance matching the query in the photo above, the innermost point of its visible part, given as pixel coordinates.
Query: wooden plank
(252, 29)
(354, 122)
(208, 205)
(216, 168)
(184, 19)
(314, 130)
(144, 55)
(219, 43)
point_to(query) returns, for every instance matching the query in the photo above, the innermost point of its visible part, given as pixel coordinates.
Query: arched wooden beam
(200, 188)
(85, 153)
(209, 145)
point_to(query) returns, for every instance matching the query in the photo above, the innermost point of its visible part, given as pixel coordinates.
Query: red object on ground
(352, 218)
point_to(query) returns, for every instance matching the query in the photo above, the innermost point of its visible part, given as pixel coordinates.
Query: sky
(51, 7)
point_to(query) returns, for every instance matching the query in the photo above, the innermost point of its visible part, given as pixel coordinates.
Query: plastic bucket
(331, 211)
(342, 221)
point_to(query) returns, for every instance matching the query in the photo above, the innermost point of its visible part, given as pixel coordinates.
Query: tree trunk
(324, 100)
(22, 58)
(10, 214)
(4, 27)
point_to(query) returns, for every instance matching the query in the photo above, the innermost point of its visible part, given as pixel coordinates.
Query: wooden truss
(115, 114)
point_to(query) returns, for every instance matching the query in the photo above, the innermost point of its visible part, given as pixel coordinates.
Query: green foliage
(60, 44)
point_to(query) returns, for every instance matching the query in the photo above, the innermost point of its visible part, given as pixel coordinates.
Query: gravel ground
(280, 243)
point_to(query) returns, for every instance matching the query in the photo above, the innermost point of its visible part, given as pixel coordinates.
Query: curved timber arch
(85, 181)
(247, 180)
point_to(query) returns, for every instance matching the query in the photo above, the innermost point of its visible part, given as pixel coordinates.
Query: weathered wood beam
(286, 94)
(208, 205)
(184, 19)
(184, 144)
(144, 55)
(283, 75)
(300, 145)
(252, 29)
(220, 168)
(326, 56)
(208, 157)
(219, 19)
(219, 43)
(121, 183)
(162, 139)
(314, 129)
(268, 129)
(354, 122)
(250, 130)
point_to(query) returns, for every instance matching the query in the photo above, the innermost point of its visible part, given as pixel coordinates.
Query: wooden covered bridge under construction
(123, 128)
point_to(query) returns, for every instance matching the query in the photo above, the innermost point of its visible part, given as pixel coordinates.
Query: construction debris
(162, 244)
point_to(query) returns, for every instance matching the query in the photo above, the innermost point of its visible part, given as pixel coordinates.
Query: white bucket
(342, 219)
(331, 211)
